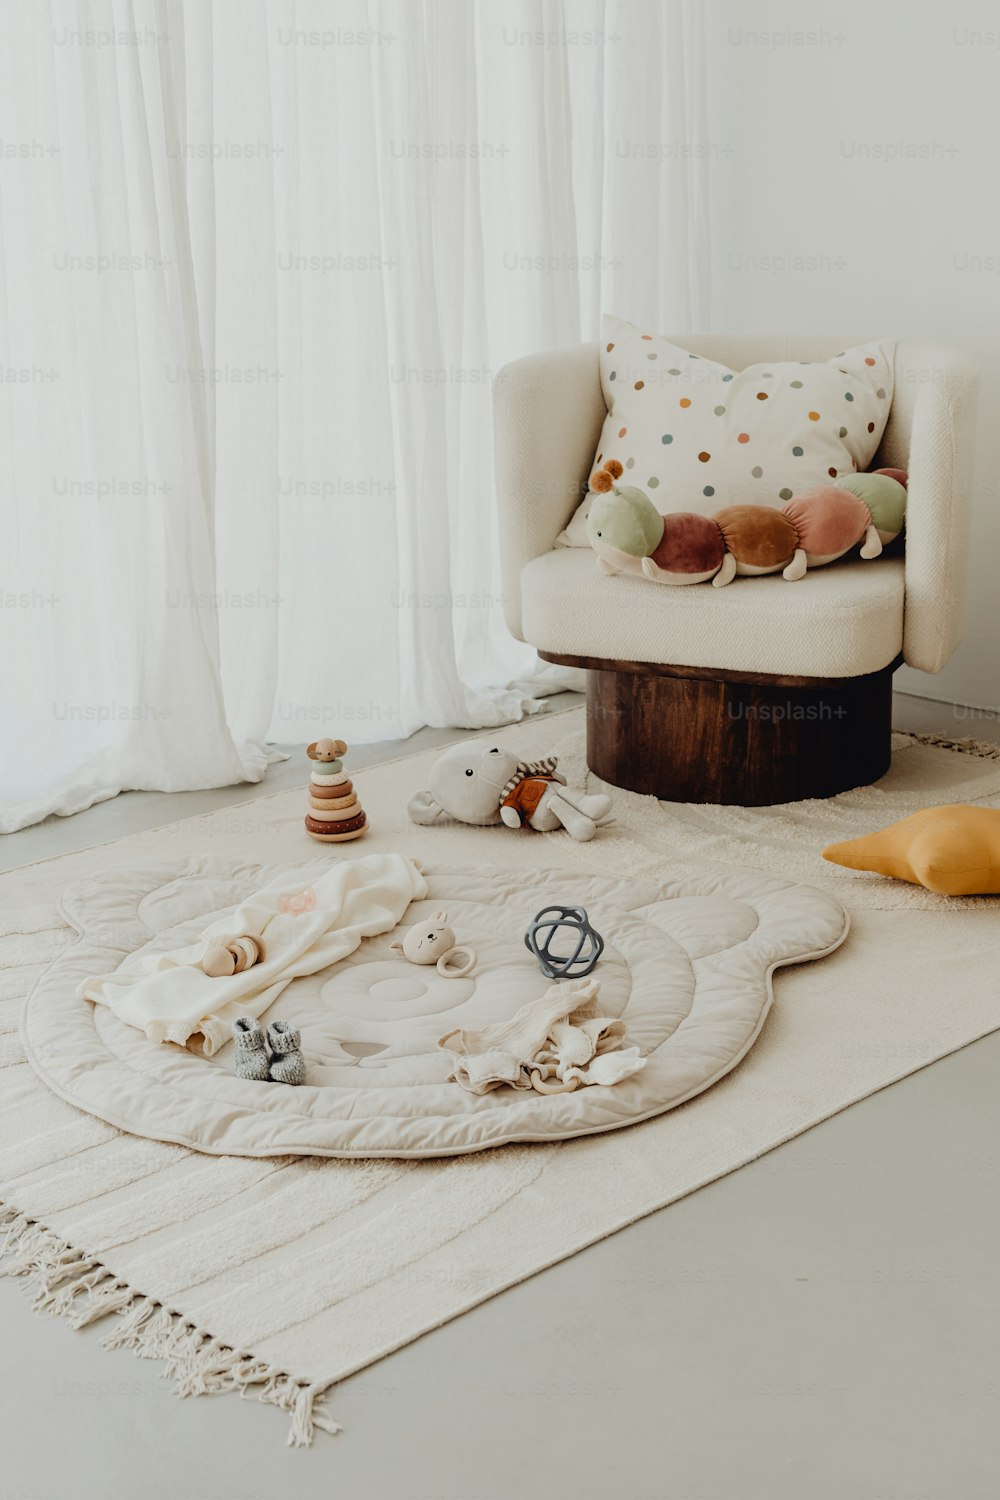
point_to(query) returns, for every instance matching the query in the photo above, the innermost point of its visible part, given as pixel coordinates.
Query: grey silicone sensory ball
(588, 945)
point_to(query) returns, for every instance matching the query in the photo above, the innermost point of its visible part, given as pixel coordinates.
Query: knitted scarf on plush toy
(526, 768)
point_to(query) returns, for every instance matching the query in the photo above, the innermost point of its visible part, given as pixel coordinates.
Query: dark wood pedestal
(688, 734)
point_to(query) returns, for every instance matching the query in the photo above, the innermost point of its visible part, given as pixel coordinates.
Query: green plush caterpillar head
(622, 519)
(885, 498)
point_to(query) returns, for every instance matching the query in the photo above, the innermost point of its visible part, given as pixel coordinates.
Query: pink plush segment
(828, 520)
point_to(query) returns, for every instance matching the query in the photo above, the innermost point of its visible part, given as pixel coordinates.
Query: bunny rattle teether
(433, 942)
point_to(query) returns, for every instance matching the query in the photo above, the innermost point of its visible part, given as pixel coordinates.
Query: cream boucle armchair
(766, 691)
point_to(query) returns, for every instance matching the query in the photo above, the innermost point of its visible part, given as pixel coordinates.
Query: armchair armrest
(548, 410)
(936, 391)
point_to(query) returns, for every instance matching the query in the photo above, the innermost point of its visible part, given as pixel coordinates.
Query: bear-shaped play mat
(687, 965)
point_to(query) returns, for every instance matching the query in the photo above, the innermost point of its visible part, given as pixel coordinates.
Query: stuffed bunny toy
(477, 783)
(433, 942)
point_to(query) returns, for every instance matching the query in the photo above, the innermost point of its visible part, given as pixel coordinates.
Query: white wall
(864, 138)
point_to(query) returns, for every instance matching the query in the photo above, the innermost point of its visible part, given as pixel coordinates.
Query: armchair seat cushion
(841, 621)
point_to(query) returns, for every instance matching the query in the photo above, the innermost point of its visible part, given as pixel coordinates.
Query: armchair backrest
(741, 349)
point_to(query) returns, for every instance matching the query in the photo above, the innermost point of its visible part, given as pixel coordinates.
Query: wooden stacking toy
(335, 815)
(232, 957)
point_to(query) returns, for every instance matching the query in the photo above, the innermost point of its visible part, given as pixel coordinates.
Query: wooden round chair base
(686, 734)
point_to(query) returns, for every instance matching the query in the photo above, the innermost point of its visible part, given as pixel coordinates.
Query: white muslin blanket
(553, 1044)
(168, 995)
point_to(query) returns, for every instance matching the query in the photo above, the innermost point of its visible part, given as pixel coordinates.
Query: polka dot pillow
(698, 436)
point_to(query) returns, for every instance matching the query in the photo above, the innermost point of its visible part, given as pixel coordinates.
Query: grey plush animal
(477, 783)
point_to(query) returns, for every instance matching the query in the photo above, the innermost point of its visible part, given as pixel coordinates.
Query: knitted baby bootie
(251, 1056)
(287, 1063)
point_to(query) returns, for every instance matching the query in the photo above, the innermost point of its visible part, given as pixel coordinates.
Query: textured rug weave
(277, 1278)
(788, 840)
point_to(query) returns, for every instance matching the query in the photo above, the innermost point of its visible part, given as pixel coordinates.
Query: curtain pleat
(261, 262)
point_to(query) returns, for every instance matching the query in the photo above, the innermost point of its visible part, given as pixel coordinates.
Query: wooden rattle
(433, 942)
(223, 959)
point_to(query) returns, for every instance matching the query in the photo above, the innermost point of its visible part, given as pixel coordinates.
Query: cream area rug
(277, 1278)
(788, 840)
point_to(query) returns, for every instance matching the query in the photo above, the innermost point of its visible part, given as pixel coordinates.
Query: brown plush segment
(828, 520)
(757, 535)
(690, 544)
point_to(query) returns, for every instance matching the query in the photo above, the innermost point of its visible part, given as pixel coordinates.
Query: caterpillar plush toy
(630, 536)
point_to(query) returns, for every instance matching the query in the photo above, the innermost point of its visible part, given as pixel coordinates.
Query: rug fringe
(68, 1283)
(982, 748)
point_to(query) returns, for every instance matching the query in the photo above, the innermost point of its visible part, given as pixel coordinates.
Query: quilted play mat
(687, 966)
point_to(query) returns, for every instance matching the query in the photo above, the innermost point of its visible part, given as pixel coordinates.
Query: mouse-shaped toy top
(476, 782)
(326, 750)
(433, 942)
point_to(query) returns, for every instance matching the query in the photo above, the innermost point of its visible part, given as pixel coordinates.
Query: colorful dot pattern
(785, 427)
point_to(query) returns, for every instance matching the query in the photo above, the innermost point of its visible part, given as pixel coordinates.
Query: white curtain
(262, 259)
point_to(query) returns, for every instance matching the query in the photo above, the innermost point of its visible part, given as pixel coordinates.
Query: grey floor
(821, 1325)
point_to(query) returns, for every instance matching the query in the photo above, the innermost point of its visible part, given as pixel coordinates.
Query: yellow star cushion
(952, 850)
